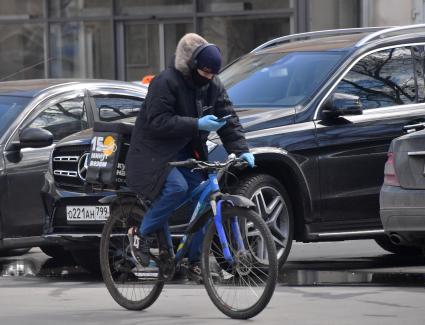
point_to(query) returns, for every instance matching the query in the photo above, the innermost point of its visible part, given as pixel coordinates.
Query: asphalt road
(353, 282)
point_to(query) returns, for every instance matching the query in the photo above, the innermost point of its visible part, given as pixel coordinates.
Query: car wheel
(88, 259)
(273, 205)
(14, 252)
(386, 244)
(57, 252)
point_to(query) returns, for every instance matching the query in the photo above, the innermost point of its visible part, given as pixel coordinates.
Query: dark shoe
(194, 272)
(140, 247)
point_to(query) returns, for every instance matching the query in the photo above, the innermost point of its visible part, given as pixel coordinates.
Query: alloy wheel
(272, 208)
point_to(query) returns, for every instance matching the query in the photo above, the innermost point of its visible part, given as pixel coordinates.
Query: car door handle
(414, 127)
(416, 153)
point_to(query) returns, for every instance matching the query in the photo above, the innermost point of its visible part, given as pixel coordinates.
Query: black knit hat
(209, 59)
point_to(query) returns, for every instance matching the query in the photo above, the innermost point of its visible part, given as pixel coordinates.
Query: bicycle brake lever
(241, 164)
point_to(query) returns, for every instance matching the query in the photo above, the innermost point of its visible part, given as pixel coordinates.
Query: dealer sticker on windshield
(87, 213)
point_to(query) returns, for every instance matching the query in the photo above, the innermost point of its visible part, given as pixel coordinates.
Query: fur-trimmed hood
(185, 48)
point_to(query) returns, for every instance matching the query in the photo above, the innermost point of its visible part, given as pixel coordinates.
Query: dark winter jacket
(168, 123)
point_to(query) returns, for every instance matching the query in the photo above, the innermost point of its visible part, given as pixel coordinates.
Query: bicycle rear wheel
(244, 288)
(132, 286)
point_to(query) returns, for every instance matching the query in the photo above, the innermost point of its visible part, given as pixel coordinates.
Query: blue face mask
(199, 80)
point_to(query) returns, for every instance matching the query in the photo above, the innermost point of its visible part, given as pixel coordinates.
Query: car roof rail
(387, 33)
(316, 34)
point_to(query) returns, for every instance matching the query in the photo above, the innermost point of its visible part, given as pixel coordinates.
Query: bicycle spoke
(240, 285)
(132, 282)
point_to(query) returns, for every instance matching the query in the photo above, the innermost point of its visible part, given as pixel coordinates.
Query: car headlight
(211, 145)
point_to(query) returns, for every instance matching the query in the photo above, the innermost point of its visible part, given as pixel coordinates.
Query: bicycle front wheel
(132, 286)
(240, 289)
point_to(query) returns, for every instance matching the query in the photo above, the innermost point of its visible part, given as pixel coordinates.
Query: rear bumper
(402, 210)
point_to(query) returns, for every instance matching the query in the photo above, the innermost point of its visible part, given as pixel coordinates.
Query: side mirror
(340, 104)
(35, 138)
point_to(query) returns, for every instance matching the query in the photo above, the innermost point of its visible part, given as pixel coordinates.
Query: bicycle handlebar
(185, 163)
(215, 165)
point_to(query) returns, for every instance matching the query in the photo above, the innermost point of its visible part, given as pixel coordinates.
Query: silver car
(402, 198)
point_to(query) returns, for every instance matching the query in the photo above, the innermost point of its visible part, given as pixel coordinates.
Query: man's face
(204, 74)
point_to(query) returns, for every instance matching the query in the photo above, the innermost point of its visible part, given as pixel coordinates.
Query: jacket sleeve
(232, 134)
(160, 112)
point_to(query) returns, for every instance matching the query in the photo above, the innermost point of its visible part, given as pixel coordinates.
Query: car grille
(68, 163)
(65, 162)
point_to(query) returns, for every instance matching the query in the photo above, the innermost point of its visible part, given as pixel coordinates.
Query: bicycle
(238, 261)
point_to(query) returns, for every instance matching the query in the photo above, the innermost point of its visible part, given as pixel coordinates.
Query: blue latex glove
(249, 158)
(209, 123)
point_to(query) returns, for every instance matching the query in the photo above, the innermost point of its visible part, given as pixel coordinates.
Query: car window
(114, 108)
(418, 54)
(381, 79)
(62, 119)
(10, 108)
(278, 79)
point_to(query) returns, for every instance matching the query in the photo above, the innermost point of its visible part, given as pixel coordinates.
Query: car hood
(80, 138)
(252, 119)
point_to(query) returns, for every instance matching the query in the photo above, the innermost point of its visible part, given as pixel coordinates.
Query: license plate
(87, 213)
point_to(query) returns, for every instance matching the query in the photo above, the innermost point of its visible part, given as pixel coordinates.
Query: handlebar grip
(186, 163)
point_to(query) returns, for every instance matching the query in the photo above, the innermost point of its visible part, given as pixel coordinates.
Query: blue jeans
(177, 188)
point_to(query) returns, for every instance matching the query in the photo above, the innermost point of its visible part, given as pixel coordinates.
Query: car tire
(88, 259)
(14, 252)
(262, 186)
(57, 252)
(386, 244)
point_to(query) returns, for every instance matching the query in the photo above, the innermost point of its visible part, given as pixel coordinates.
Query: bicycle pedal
(167, 267)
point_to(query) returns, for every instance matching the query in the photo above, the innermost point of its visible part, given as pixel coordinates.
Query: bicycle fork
(236, 233)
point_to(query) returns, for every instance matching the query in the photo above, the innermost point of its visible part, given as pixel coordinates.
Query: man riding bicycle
(184, 104)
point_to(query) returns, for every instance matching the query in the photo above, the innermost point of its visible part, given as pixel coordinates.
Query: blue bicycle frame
(206, 191)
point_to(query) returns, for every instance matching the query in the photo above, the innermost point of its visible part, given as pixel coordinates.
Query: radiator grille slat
(65, 166)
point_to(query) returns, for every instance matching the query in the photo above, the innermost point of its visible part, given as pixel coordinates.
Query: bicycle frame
(208, 191)
(241, 273)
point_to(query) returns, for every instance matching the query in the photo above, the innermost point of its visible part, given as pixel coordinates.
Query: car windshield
(277, 79)
(10, 108)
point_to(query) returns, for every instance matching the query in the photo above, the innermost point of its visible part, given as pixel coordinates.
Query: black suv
(319, 110)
